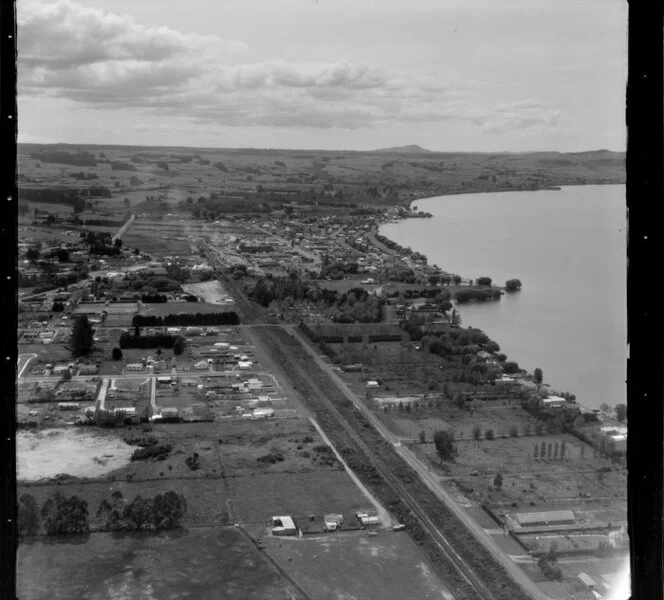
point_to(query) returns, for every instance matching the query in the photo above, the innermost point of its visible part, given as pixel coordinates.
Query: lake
(568, 248)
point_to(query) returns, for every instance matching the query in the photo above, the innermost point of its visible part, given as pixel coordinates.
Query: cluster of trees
(61, 515)
(463, 296)
(69, 196)
(159, 340)
(548, 564)
(79, 159)
(103, 223)
(122, 166)
(82, 337)
(512, 285)
(355, 305)
(392, 245)
(223, 318)
(550, 450)
(154, 298)
(82, 175)
(336, 270)
(445, 445)
(49, 279)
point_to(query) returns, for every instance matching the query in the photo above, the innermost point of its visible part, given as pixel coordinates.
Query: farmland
(359, 566)
(198, 563)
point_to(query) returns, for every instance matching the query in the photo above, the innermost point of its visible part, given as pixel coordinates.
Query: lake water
(568, 248)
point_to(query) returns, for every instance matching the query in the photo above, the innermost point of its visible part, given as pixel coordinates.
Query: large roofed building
(550, 517)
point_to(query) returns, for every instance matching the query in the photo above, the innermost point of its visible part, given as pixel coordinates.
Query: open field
(212, 292)
(385, 567)
(256, 498)
(199, 563)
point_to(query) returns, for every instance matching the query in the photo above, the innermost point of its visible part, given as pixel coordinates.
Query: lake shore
(510, 225)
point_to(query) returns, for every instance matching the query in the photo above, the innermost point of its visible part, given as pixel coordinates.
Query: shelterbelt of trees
(354, 305)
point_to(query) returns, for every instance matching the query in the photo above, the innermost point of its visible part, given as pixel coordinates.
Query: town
(223, 341)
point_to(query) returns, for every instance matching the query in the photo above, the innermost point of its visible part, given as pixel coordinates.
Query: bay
(568, 247)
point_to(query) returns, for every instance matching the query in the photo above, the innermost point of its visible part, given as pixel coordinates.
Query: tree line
(222, 318)
(159, 340)
(62, 515)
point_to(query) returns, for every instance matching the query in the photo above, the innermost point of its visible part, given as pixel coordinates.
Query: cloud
(103, 60)
(522, 115)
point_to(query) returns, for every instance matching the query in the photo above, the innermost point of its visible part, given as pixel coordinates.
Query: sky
(448, 75)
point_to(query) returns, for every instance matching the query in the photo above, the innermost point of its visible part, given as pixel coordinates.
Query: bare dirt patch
(81, 453)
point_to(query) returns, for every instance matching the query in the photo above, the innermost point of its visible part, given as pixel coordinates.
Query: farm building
(551, 517)
(134, 367)
(368, 519)
(283, 526)
(333, 521)
(68, 405)
(588, 581)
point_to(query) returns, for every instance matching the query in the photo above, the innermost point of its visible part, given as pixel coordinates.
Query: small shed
(283, 526)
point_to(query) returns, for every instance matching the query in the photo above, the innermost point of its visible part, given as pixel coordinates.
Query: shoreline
(386, 219)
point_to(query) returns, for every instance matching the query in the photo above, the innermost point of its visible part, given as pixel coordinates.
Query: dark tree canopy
(621, 412)
(445, 446)
(512, 285)
(82, 337)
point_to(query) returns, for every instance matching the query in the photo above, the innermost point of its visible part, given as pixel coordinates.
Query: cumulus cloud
(105, 60)
(522, 115)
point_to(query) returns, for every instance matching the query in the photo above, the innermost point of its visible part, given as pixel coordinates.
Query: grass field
(352, 566)
(199, 563)
(258, 497)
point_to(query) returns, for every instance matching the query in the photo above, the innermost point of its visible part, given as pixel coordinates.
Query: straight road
(429, 478)
(23, 360)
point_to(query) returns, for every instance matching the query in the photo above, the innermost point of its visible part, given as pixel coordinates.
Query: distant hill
(410, 149)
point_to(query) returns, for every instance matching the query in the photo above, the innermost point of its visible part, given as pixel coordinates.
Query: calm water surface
(568, 248)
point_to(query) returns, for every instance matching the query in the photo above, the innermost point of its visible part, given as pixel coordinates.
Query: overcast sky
(468, 75)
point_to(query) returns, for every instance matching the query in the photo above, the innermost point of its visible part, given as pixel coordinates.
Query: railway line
(296, 362)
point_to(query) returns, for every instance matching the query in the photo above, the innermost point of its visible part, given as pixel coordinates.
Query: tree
(538, 376)
(445, 446)
(512, 285)
(514, 431)
(527, 429)
(116, 354)
(82, 337)
(605, 408)
(178, 345)
(579, 422)
(117, 243)
(28, 516)
(477, 432)
(139, 513)
(32, 254)
(498, 481)
(168, 510)
(621, 412)
(511, 367)
(484, 281)
(489, 434)
(62, 254)
(423, 437)
(66, 376)
(539, 428)
(65, 515)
